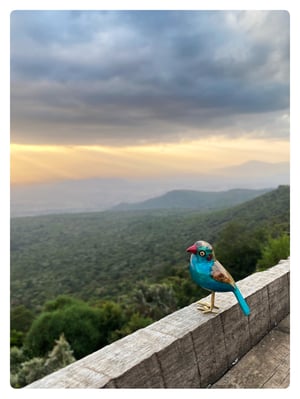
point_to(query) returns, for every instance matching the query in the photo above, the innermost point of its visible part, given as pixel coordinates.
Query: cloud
(142, 76)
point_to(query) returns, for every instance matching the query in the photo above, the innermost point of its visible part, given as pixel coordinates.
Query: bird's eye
(202, 253)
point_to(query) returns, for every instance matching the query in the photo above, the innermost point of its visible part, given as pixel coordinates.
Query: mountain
(90, 195)
(190, 199)
(105, 254)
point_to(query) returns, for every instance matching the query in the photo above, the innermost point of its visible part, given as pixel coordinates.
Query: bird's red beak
(192, 249)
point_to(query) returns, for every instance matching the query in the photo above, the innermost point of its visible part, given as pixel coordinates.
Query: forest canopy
(97, 277)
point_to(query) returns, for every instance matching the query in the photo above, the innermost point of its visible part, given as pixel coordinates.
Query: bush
(16, 338)
(60, 356)
(16, 358)
(86, 328)
(24, 371)
(30, 371)
(274, 250)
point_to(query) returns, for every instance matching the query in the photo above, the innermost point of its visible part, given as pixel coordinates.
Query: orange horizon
(41, 163)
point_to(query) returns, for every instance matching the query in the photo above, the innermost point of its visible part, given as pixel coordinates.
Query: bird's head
(203, 250)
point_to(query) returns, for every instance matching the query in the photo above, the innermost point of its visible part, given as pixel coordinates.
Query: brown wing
(219, 273)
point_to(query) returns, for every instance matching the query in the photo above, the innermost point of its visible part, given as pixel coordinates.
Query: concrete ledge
(185, 349)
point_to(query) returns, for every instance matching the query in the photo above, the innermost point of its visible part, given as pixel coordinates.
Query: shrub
(86, 328)
(274, 250)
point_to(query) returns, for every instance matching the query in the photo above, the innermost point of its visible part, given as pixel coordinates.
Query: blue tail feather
(243, 304)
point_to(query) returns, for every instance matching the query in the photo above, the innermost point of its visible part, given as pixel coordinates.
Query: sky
(141, 94)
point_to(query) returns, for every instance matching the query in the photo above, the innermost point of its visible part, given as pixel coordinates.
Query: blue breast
(201, 273)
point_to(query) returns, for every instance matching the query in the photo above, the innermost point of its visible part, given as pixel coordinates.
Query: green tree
(239, 250)
(21, 318)
(274, 250)
(85, 327)
(111, 318)
(60, 302)
(20, 321)
(16, 338)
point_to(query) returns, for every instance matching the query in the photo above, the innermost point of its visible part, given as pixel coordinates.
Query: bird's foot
(206, 307)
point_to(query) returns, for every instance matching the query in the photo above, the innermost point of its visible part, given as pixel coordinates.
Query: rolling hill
(191, 199)
(105, 254)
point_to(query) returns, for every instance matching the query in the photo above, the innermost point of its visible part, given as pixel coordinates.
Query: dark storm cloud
(129, 77)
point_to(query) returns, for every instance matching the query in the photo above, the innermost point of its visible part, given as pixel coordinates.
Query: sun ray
(34, 163)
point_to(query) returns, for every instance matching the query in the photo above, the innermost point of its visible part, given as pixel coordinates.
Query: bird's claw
(206, 307)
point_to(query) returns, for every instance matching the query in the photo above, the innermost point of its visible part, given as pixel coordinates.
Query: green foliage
(185, 290)
(60, 356)
(135, 322)
(118, 272)
(105, 255)
(86, 328)
(17, 357)
(239, 249)
(30, 371)
(20, 321)
(24, 371)
(154, 300)
(61, 302)
(21, 318)
(16, 338)
(274, 250)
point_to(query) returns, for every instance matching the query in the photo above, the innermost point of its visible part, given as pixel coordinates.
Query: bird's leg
(212, 299)
(208, 307)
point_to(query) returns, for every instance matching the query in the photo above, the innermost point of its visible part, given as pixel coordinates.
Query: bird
(207, 272)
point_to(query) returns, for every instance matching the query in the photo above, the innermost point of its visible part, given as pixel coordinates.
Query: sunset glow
(37, 163)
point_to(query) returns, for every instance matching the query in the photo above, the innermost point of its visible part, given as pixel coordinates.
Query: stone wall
(186, 349)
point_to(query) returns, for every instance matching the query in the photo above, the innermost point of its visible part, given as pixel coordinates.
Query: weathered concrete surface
(186, 349)
(266, 365)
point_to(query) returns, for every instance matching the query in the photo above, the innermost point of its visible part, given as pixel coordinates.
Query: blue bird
(207, 272)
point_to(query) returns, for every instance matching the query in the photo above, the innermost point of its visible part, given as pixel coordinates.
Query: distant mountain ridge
(191, 199)
(100, 194)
